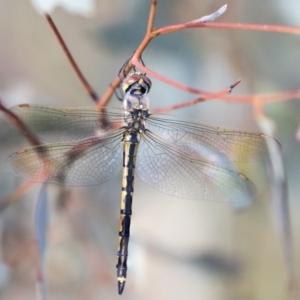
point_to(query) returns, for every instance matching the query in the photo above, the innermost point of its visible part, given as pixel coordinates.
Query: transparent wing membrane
(220, 145)
(67, 124)
(173, 171)
(178, 157)
(87, 162)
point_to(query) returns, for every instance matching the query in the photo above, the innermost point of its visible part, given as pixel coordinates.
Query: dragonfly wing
(170, 170)
(67, 124)
(86, 162)
(219, 145)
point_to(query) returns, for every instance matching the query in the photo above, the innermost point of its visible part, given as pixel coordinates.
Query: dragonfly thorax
(135, 120)
(135, 102)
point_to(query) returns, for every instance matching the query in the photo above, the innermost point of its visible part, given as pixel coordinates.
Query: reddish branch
(197, 100)
(18, 123)
(17, 193)
(75, 67)
(181, 86)
(152, 33)
(256, 27)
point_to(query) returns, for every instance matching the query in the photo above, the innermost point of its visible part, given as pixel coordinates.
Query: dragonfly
(176, 156)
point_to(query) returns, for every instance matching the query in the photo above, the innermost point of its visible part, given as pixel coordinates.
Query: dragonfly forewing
(67, 124)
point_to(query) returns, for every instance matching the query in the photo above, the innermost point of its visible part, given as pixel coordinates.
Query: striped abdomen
(129, 158)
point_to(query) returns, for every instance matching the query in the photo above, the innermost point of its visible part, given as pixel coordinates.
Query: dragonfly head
(137, 84)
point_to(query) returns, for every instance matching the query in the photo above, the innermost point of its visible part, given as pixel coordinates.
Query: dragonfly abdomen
(130, 146)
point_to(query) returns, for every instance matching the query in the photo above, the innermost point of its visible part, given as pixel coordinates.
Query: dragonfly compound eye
(137, 83)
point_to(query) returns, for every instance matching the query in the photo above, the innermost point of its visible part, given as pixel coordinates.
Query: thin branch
(151, 16)
(179, 106)
(152, 33)
(223, 94)
(22, 127)
(265, 98)
(75, 67)
(262, 98)
(16, 194)
(195, 101)
(257, 27)
(135, 61)
(108, 93)
(18, 123)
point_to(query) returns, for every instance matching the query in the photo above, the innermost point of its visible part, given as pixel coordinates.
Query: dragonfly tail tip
(121, 285)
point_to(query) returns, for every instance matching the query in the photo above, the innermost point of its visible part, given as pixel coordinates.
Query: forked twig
(151, 33)
(196, 101)
(135, 61)
(151, 18)
(263, 98)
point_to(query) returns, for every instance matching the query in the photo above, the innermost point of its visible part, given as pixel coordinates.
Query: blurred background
(179, 249)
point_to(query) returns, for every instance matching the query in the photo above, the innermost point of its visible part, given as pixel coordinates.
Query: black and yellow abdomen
(130, 146)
